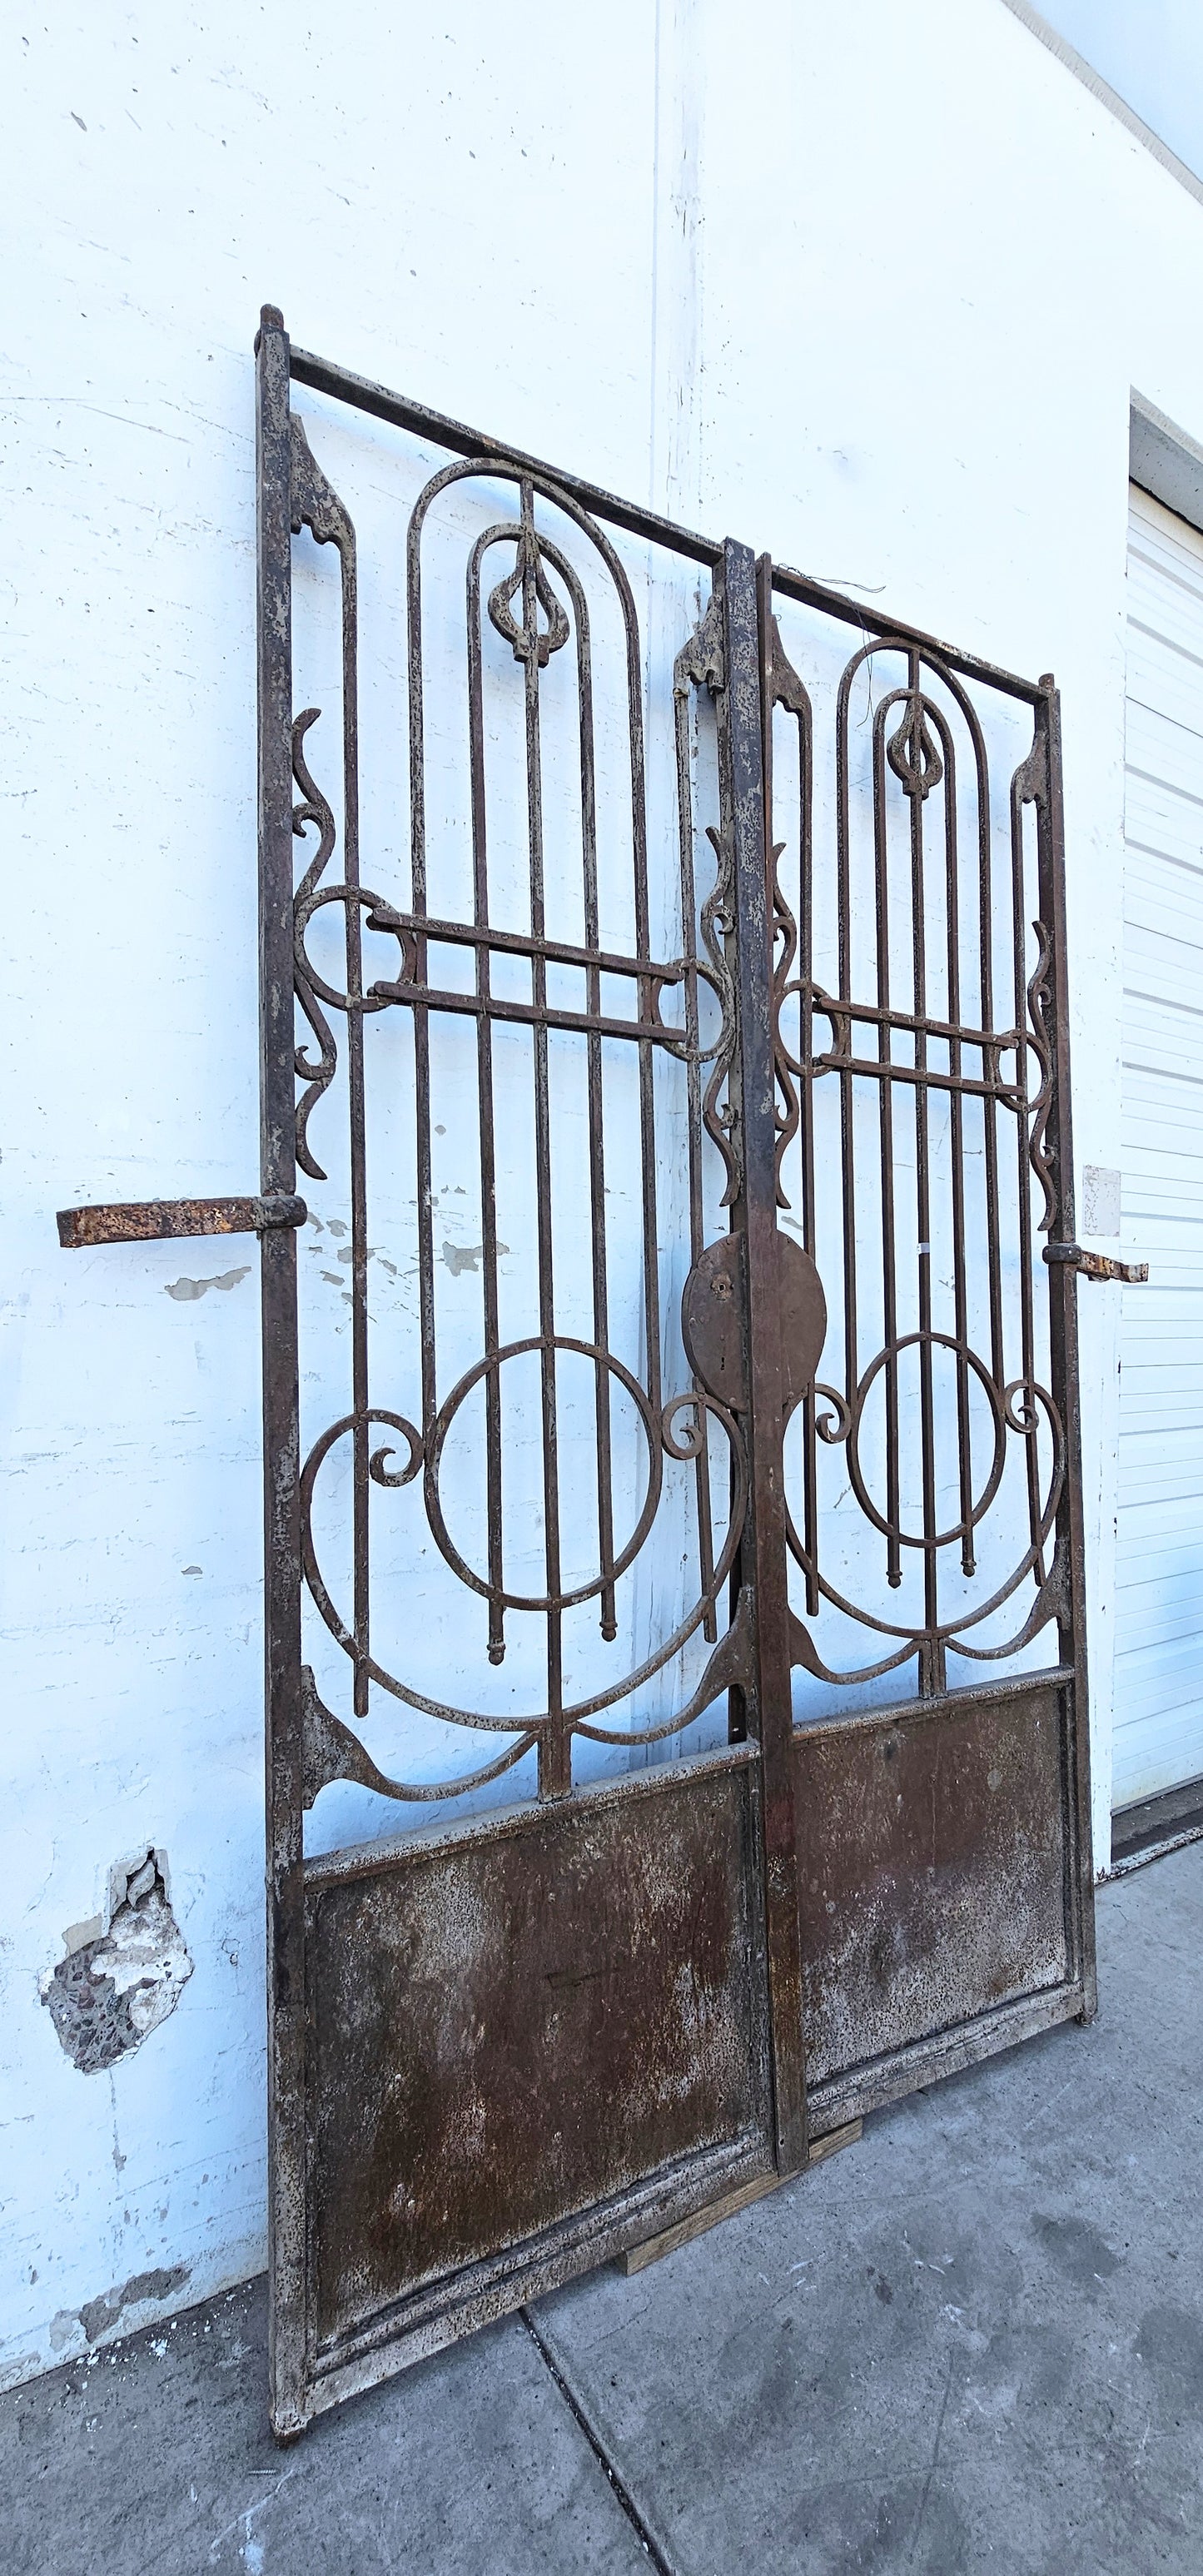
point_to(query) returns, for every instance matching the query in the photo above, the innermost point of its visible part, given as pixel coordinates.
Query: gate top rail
(435, 426)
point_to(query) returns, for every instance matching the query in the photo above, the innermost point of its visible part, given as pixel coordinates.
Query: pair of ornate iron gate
(704, 1018)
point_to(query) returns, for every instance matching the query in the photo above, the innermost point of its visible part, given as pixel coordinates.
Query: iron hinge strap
(1097, 1265)
(151, 1220)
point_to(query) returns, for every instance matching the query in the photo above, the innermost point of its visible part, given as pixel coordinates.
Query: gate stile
(501, 2050)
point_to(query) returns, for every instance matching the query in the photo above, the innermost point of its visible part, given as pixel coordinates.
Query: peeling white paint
(186, 1291)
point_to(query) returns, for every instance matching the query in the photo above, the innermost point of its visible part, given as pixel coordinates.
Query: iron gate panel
(805, 1291)
(932, 1890)
(428, 1996)
(555, 2056)
(921, 1051)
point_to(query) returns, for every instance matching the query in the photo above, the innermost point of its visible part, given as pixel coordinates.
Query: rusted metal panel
(931, 1871)
(515, 2023)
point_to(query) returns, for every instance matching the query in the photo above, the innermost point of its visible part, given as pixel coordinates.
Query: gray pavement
(972, 2341)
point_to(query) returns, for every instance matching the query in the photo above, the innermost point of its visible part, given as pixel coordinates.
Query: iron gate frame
(761, 1687)
(745, 590)
(1045, 1137)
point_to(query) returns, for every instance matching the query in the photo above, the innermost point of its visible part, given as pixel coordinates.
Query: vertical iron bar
(645, 989)
(764, 1549)
(806, 909)
(693, 1097)
(885, 1131)
(357, 1122)
(952, 906)
(597, 1147)
(1063, 1340)
(555, 1748)
(278, 1259)
(990, 1066)
(485, 1119)
(843, 862)
(931, 1662)
(418, 897)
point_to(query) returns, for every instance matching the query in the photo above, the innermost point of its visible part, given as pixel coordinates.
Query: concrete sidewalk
(973, 2340)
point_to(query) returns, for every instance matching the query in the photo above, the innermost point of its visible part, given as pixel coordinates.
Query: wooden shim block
(820, 2148)
(637, 2257)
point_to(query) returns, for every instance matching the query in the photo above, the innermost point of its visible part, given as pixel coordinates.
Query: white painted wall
(869, 288)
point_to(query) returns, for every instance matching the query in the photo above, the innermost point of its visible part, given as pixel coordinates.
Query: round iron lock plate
(713, 1310)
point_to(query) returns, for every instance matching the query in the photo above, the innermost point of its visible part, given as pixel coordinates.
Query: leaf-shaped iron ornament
(530, 641)
(912, 750)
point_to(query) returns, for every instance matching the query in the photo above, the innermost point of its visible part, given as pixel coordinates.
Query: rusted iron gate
(504, 2049)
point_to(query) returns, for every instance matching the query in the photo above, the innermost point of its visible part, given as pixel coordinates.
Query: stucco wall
(868, 288)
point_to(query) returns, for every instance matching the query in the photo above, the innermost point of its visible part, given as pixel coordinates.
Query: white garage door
(1159, 1572)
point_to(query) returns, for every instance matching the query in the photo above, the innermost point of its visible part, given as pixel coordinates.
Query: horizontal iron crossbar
(431, 997)
(894, 630)
(524, 943)
(412, 927)
(876, 1070)
(308, 369)
(833, 1006)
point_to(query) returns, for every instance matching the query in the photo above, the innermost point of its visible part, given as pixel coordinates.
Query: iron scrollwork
(910, 1053)
(539, 608)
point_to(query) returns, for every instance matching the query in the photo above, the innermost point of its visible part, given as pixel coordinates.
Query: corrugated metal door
(1159, 1568)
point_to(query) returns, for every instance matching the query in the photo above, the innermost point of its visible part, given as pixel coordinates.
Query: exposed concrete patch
(97, 2316)
(465, 1256)
(189, 1289)
(121, 1979)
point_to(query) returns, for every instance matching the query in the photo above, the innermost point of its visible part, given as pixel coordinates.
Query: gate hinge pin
(1097, 1265)
(152, 1220)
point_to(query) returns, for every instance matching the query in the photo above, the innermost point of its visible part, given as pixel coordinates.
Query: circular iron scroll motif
(1022, 1402)
(434, 1450)
(892, 1352)
(683, 1444)
(713, 1311)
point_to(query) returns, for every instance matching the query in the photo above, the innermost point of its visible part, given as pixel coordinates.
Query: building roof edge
(1107, 97)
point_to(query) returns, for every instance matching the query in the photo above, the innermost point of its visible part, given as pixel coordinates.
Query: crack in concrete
(931, 2466)
(642, 2530)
